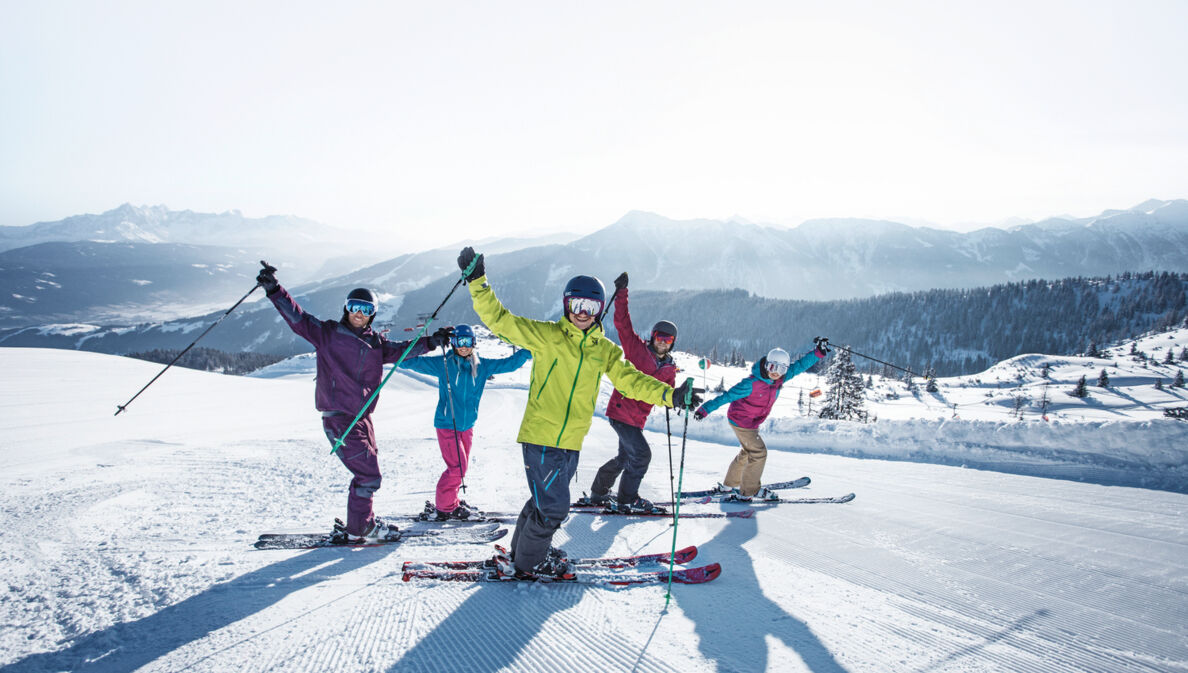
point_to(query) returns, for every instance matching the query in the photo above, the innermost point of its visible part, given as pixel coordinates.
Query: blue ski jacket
(466, 383)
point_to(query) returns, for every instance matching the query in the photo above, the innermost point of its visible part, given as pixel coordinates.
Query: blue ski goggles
(360, 306)
(463, 341)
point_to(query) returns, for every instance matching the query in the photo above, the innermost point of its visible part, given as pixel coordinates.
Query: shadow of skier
(516, 614)
(734, 632)
(130, 645)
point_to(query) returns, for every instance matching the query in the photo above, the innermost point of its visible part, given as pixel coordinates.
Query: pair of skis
(613, 571)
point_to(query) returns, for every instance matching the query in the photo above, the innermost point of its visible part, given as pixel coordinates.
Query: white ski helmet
(779, 358)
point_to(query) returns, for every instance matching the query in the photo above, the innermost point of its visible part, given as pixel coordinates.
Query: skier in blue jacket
(461, 379)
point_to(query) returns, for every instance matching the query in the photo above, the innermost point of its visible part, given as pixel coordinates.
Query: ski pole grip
(688, 392)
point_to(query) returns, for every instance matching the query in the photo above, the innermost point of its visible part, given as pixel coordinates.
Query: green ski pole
(338, 442)
(676, 501)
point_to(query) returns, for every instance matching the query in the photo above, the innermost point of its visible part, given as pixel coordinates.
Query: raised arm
(303, 324)
(508, 364)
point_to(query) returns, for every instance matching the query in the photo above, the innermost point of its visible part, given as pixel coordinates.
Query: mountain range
(122, 295)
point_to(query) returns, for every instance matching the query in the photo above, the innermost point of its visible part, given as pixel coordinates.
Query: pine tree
(1184, 354)
(1171, 358)
(1081, 390)
(1158, 384)
(1093, 352)
(1103, 381)
(1178, 382)
(845, 400)
(1046, 370)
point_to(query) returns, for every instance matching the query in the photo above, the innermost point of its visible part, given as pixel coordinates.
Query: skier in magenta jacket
(350, 362)
(750, 402)
(627, 416)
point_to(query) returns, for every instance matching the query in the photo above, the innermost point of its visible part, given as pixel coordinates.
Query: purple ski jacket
(752, 398)
(624, 409)
(350, 363)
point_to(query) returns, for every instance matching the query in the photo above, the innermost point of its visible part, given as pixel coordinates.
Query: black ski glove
(465, 258)
(678, 396)
(822, 344)
(267, 278)
(621, 281)
(440, 338)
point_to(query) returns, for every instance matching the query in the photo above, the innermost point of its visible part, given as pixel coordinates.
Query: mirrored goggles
(666, 339)
(777, 367)
(584, 306)
(360, 306)
(463, 342)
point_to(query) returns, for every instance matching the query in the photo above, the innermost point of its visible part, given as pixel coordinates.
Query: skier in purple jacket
(627, 416)
(350, 363)
(750, 402)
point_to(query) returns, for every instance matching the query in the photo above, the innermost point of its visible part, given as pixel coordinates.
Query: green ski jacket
(567, 369)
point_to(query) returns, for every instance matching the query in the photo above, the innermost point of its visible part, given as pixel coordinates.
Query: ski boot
(765, 494)
(460, 513)
(555, 568)
(640, 506)
(596, 500)
(379, 532)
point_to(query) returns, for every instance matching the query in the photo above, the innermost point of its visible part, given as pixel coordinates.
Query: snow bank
(1147, 454)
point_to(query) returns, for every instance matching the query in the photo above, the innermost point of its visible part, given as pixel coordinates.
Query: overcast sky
(447, 120)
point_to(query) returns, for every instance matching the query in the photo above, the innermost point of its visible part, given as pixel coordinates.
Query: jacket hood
(760, 372)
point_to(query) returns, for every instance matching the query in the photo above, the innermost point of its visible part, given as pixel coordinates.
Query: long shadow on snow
(735, 634)
(497, 622)
(130, 645)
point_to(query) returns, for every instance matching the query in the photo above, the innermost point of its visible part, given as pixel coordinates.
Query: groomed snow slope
(127, 546)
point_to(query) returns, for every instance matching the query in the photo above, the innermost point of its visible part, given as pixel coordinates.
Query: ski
(583, 575)
(730, 500)
(448, 523)
(666, 515)
(435, 536)
(777, 486)
(681, 557)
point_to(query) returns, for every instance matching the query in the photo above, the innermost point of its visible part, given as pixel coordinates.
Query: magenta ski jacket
(752, 398)
(350, 363)
(624, 409)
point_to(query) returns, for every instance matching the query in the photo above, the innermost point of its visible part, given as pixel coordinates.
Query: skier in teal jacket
(461, 379)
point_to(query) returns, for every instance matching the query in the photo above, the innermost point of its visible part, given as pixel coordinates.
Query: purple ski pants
(358, 454)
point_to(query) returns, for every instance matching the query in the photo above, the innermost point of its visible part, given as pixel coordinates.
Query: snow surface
(127, 539)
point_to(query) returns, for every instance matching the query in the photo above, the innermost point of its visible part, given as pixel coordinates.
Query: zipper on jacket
(546, 379)
(581, 359)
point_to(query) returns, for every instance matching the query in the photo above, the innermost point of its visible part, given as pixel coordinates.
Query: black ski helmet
(365, 295)
(587, 287)
(666, 328)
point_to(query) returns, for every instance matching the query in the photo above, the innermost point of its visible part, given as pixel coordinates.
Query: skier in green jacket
(569, 357)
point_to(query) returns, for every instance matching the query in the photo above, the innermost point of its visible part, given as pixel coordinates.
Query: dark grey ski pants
(633, 459)
(549, 471)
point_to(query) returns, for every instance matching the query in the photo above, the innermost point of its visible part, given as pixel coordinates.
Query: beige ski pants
(746, 470)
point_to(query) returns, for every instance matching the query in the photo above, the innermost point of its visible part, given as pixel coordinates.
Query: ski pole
(861, 355)
(606, 309)
(676, 509)
(671, 476)
(124, 406)
(433, 316)
(453, 418)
